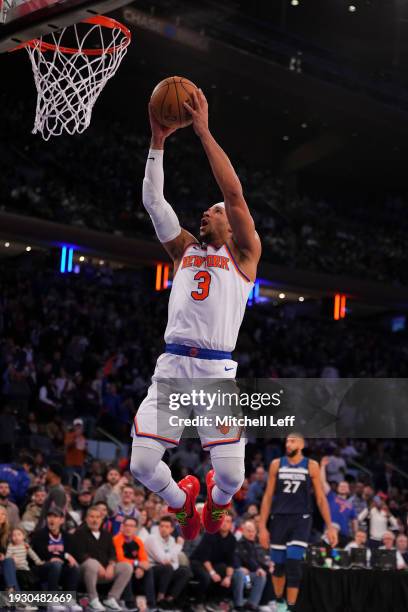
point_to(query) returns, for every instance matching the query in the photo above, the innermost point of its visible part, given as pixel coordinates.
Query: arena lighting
(28, 249)
(285, 138)
(294, 2)
(282, 296)
(162, 276)
(82, 258)
(101, 262)
(67, 256)
(301, 298)
(339, 307)
(304, 125)
(7, 244)
(352, 8)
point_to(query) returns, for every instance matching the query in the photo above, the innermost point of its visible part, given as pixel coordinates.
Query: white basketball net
(69, 80)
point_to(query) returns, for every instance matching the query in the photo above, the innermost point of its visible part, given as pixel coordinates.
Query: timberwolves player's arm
(267, 503)
(321, 501)
(173, 237)
(244, 242)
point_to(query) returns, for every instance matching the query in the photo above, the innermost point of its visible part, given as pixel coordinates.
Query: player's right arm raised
(267, 503)
(165, 221)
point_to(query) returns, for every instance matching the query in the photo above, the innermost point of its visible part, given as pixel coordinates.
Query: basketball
(167, 101)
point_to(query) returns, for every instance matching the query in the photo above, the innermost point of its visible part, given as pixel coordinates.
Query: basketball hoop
(70, 78)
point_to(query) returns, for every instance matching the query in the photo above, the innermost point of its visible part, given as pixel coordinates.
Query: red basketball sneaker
(213, 514)
(187, 516)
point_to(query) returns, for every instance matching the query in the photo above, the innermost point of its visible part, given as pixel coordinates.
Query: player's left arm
(236, 208)
(321, 501)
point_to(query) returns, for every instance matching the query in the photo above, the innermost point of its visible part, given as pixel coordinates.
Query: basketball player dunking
(288, 496)
(212, 281)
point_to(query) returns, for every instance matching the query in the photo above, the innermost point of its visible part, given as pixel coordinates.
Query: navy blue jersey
(293, 490)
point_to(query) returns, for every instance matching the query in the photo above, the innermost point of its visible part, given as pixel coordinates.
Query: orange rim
(101, 20)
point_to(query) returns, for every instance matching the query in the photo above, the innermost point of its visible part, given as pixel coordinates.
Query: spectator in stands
(75, 449)
(33, 510)
(388, 543)
(257, 486)
(335, 467)
(130, 548)
(379, 520)
(358, 501)
(360, 541)
(7, 565)
(110, 491)
(163, 551)
(402, 546)
(126, 508)
(83, 502)
(95, 552)
(55, 547)
(213, 560)
(104, 510)
(11, 509)
(341, 508)
(249, 561)
(21, 552)
(56, 497)
(142, 531)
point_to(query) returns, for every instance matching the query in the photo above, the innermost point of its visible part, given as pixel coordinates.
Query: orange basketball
(167, 101)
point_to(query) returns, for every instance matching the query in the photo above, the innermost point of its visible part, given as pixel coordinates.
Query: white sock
(147, 466)
(173, 495)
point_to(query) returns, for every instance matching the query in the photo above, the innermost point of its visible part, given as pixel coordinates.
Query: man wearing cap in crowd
(56, 497)
(54, 546)
(75, 448)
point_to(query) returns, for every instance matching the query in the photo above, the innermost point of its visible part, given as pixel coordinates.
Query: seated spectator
(360, 541)
(388, 543)
(402, 546)
(18, 476)
(109, 492)
(104, 510)
(11, 509)
(56, 497)
(33, 510)
(131, 549)
(257, 486)
(213, 560)
(125, 508)
(7, 565)
(55, 547)
(20, 552)
(142, 531)
(140, 497)
(95, 552)
(83, 502)
(163, 551)
(249, 561)
(380, 520)
(75, 448)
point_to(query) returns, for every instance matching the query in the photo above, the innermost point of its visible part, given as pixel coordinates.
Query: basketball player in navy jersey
(287, 502)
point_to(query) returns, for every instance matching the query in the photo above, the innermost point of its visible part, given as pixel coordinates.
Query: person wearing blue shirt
(341, 506)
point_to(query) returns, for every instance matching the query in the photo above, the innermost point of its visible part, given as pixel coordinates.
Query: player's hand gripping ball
(167, 102)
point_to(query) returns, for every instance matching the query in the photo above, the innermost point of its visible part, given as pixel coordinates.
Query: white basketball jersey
(207, 300)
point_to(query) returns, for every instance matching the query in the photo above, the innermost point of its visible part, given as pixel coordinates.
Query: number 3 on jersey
(291, 486)
(204, 280)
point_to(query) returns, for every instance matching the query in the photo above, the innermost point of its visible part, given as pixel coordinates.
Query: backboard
(23, 20)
